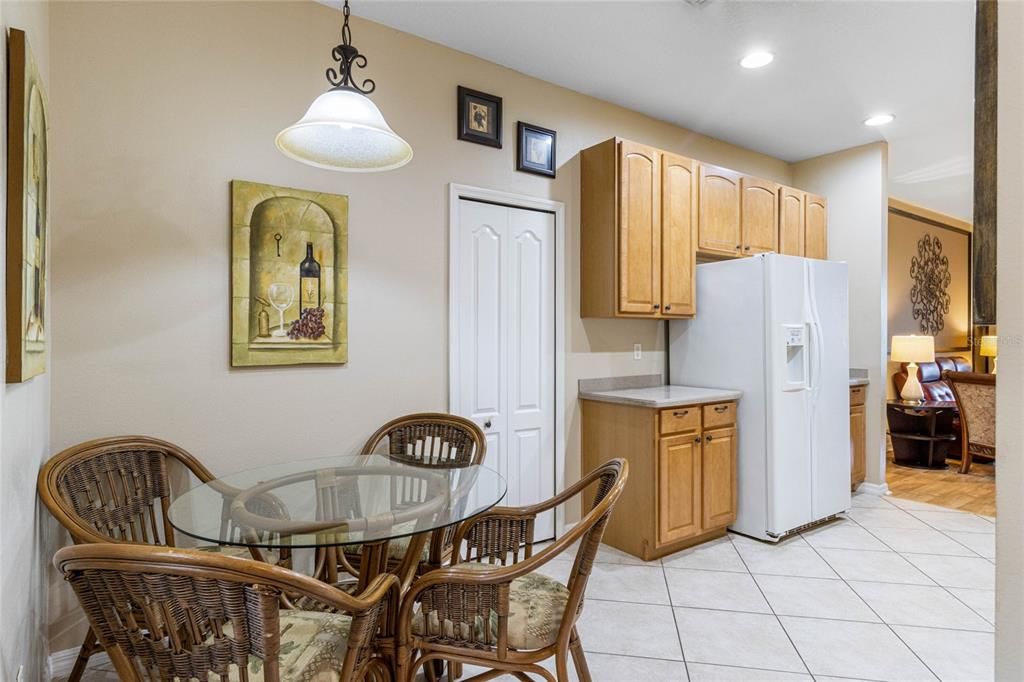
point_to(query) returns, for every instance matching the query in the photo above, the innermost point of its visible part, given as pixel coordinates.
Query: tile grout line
(944, 587)
(891, 629)
(772, 608)
(675, 621)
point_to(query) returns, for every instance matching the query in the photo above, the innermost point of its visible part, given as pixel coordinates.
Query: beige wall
(854, 180)
(157, 106)
(27, 533)
(1010, 396)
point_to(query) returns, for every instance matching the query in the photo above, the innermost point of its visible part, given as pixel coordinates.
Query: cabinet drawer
(680, 419)
(857, 395)
(722, 414)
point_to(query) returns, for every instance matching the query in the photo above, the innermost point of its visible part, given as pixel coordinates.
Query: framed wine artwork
(289, 276)
(28, 215)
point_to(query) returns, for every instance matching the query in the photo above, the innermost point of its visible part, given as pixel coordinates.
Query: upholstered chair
(495, 606)
(976, 400)
(163, 613)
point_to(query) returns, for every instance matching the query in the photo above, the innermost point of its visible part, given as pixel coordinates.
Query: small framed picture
(535, 151)
(479, 117)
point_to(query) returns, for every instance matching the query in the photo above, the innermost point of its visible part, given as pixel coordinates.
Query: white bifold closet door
(504, 344)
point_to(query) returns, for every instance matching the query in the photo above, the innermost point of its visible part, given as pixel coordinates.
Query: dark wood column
(985, 101)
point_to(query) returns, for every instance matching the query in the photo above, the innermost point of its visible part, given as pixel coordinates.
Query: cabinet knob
(697, 439)
(656, 306)
(746, 248)
(668, 307)
(707, 438)
(739, 246)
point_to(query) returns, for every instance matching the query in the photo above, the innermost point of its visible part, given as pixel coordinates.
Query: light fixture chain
(347, 57)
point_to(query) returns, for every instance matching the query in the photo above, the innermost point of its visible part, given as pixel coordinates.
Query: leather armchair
(930, 376)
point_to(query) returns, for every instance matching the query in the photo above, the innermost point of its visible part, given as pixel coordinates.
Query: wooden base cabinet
(682, 482)
(858, 437)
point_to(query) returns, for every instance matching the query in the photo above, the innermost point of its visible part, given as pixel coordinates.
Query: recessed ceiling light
(879, 119)
(755, 60)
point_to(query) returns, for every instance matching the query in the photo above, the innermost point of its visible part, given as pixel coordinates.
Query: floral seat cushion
(536, 605)
(313, 647)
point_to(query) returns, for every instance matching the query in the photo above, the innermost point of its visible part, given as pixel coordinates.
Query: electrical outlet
(638, 351)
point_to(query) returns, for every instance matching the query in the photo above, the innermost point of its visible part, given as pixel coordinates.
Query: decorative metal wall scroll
(929, 296)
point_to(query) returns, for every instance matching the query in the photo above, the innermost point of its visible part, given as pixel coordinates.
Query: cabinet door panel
(719, 221)
(816, 226)
(679, 487)
(759, 215)
(858, 445)
(791, 221)
(678, 232)
(639, 229)
(719, 478)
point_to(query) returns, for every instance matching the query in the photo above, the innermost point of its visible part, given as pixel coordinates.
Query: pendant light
(343, 130)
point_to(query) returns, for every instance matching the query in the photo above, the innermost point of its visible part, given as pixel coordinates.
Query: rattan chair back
(431, 438)
(165, 613)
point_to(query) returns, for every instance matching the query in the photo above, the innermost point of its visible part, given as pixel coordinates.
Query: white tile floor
(897, 590)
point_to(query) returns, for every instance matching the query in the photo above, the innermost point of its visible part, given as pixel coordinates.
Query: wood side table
(921, 432)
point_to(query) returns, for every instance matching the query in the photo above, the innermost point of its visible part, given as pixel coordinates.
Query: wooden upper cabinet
(719, 227)
(639, 228)
(759, 215)
(679, 188)
(816, 227)
(679, 487)
(791, 221)
(718, 462)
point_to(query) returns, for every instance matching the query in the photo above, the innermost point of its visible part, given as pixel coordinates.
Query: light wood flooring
(973, 492)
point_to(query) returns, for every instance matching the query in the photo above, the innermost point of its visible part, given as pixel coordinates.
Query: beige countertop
(662, 396)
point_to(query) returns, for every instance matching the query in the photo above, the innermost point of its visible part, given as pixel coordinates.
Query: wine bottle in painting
(309, 281)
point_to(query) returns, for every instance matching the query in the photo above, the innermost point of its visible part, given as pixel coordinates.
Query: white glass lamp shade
(913, 349)
(344, 130)
(989, 346)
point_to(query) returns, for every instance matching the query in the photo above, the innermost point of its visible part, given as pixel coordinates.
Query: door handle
(487, 424)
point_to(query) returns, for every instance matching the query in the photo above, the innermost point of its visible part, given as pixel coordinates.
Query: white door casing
(505, 371)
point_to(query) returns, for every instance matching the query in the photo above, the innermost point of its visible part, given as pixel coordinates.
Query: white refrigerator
(776, 327)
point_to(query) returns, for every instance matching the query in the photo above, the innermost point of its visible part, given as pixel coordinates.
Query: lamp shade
(989, 346)
(344, 130)
(913, 349)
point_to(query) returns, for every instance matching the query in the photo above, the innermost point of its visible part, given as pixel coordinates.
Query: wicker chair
(167, 614)
(976, 400)
(429, 439)
(118, 490)
(493, 608)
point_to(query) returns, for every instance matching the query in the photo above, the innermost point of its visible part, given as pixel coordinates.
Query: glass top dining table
(333, 502)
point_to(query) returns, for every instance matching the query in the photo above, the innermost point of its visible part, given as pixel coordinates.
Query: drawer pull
(721, 408)
(680, 413)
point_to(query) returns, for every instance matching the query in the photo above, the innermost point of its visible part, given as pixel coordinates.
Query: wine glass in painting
(281, 296)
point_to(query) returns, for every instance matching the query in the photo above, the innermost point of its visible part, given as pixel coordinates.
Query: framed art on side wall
(479, 117)
(28, 213)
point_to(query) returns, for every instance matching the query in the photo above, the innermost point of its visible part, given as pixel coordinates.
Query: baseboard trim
(61, 662)
(873, 488)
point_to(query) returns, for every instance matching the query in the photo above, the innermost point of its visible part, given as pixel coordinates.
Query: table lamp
(989, 349)
(912, 350)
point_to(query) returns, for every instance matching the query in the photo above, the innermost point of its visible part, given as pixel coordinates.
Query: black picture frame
(526, 157)
(479, 117)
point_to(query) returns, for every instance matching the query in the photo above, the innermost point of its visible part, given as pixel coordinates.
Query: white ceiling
(836, 63)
